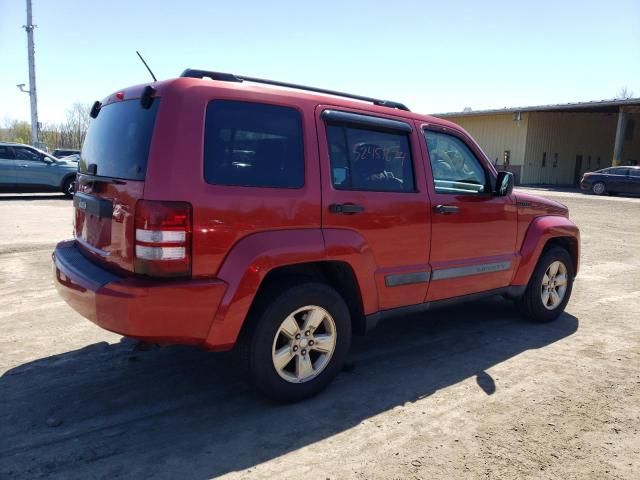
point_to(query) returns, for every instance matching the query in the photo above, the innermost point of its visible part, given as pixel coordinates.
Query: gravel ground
(465, 392)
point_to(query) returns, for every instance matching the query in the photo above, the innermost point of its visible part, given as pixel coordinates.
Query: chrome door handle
(446, 209)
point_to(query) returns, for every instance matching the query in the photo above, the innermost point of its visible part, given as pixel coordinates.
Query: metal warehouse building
(556, 144)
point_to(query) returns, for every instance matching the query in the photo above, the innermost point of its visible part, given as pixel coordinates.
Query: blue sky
(434, 56)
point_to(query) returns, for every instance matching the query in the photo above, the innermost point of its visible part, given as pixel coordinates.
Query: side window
(253, 145)
(368, 159)
(26, 154)
(634, 172)
(455, 168)
(6, 153)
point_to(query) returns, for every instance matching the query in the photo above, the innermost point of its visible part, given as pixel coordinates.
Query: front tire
(298, 343)
(599, 188)
(69, 187)
(549, 287)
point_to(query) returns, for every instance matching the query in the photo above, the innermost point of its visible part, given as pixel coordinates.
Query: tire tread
(250, 354)
(530, 304)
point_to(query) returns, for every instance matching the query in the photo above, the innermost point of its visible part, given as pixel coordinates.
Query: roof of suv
(285, 90)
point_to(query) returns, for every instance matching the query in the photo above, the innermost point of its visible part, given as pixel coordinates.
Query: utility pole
(32, 76)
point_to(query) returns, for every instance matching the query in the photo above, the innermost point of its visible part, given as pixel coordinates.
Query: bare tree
(624, 93)
(77, 122)
(67, 134)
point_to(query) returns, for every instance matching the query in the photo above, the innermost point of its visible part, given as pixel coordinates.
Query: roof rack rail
(230, 77)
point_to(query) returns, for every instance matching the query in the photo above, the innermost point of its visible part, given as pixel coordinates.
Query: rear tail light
(163, 239)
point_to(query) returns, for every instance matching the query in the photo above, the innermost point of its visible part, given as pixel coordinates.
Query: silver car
(25, 168)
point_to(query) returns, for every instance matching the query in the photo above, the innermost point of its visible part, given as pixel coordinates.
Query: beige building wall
(563, 136)
(497, 133)
(558, 137)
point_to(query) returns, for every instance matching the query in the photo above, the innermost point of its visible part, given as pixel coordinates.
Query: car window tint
(118, 140)
(26, 154)
(253, 145)
(634, 172)
(366, 159)
(619, 171)
(6, 153)
(63, 153)
(454, 166)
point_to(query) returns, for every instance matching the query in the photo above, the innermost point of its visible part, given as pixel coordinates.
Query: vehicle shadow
(178, 412)
(14, 196)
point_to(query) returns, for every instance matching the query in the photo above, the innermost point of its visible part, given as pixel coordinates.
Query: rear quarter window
(253, 145)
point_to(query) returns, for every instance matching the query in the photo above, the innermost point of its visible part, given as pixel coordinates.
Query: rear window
(118, 140)
(253, 145)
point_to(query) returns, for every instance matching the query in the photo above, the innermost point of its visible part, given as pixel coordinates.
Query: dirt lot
(469, 392)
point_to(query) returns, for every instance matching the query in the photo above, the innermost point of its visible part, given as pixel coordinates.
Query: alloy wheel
(554, 285)
(598, 188)
(304, 344)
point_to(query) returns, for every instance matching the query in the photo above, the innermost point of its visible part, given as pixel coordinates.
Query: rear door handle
(446, 209)
(345, 208)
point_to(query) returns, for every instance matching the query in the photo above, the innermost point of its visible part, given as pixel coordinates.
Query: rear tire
(599, 188)
(549, 287)
(297, 340)
(69, 187)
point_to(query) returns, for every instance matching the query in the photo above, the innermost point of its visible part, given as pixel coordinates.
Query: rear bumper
(171, 311)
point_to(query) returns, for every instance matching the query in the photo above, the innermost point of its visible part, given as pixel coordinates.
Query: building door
(577, 173)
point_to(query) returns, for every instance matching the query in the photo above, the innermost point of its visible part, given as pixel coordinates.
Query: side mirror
(46, 159)
(504, 184)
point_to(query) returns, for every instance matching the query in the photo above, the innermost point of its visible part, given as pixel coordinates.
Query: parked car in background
(224, 214)
(64, 152)
(74, 157)
(25, 168)
(612, 180)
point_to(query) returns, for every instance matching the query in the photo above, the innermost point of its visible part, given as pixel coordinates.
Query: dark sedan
(612, 180)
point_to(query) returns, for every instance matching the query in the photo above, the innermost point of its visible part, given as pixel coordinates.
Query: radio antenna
(145, 64)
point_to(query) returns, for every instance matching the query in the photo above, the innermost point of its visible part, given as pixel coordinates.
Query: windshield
(118, 141)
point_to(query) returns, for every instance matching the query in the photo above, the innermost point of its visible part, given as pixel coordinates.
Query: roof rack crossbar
(229, 77)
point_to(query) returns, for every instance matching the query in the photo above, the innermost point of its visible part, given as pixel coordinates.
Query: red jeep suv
(226, 211)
